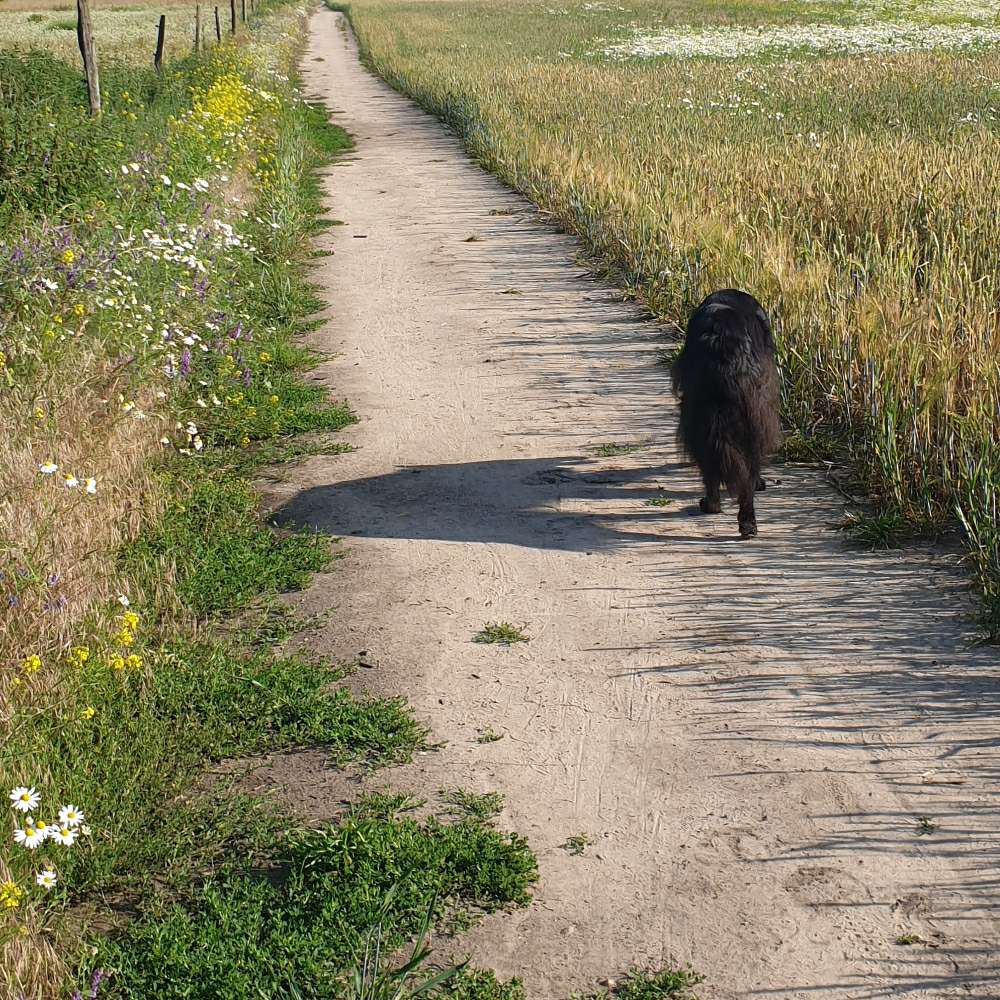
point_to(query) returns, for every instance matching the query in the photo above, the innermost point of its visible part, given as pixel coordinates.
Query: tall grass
(854, 195)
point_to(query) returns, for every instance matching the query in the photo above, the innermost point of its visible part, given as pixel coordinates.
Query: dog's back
(727, 380)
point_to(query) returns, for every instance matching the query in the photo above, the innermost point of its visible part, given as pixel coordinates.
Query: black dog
(727, 381)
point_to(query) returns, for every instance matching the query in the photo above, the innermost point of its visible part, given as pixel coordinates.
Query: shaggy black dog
(727, 381)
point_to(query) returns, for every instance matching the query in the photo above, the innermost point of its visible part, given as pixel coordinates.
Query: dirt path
(742, 729)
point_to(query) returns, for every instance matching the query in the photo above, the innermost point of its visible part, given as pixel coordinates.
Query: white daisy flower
(91, 486)
(123, 601)
(71, 481)
(46, 878)
(29, 835)
(165, 179)
(24, 799)
(47, 468)
(63, 834)
(70, 816)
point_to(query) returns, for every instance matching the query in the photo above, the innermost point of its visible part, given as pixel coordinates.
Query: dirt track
(742, 729)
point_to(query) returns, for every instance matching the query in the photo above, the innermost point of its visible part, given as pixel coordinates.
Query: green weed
(881, 530)
(576, 844)
(502, 633)
(613, 450)
(657, 502)
(667, 984)
(480, 807)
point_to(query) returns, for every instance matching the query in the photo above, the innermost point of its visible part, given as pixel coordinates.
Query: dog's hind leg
(711, 503)
(760, 485)
(747, 517)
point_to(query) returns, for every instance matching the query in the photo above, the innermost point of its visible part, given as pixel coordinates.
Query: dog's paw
(707, 507)
(748, 530)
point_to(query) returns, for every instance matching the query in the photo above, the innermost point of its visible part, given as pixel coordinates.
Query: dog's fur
(727, 380)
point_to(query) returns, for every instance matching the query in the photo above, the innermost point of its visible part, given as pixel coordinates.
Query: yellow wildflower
(130, 619)
(117, 662)
(125, 636)
(133, 662)
(68, 256)
(79, 309)
(264, 356)
(78, 656)
(32, 664)
(11, 895)
(273, 401)
(88, 713)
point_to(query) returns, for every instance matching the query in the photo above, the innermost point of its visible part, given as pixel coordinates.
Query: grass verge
(299, 929)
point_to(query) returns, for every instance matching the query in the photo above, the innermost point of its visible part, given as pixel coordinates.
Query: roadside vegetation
(835, 158)
(153, 284)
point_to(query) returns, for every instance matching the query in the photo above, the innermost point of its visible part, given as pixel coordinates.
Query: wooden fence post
(197, 27)
(160, 32)
(85, 36)
(218, 27)
(244, 5)
(232, 16)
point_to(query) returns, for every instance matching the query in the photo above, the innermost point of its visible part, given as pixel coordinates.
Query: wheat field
(837, 159)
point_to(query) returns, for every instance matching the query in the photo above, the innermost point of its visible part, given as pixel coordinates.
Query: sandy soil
(744, 730)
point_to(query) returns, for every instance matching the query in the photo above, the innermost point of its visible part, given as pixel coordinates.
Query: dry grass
(8, 6)
(61, 542)
(125, 33)
(853, 195)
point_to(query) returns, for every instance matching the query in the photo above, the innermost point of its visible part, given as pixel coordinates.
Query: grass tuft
(500, 633)
(881, 530)
(481, 807)
(576, 844)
